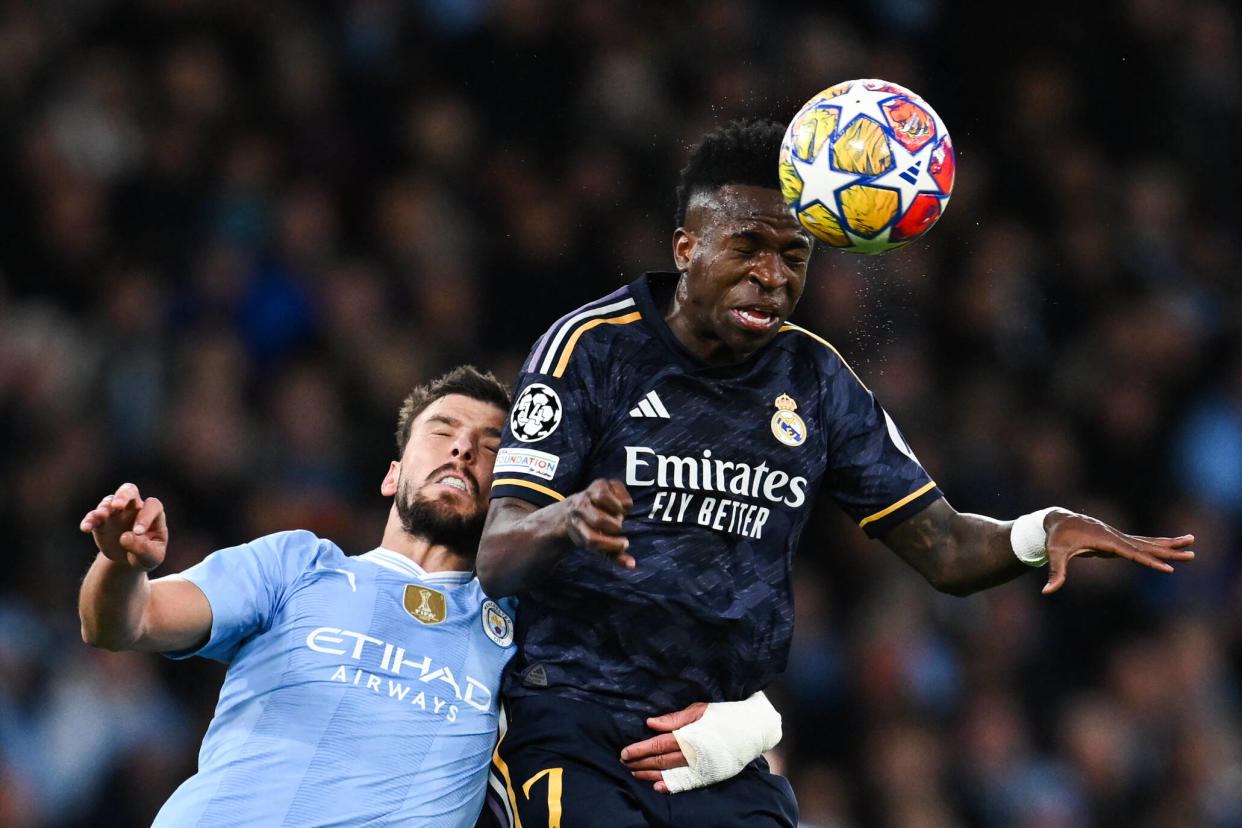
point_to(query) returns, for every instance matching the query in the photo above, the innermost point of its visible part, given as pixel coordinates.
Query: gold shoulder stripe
(789, 326)
(513, 481)
(573, 340)
(563, 329)
(897, 505)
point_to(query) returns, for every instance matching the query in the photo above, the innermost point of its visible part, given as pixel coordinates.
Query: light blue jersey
(360, 690)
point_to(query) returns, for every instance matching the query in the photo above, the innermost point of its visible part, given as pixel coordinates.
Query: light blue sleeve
(246, 585)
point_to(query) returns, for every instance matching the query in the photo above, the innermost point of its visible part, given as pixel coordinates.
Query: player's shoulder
(298, 548)
(793, 337)
(806, 345)
(593, 328)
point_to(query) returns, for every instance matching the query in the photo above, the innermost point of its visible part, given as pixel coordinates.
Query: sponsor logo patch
(527, 461)
(497, 624)
(536, 414)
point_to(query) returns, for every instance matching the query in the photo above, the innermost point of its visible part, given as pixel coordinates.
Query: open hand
(128, 529)
(1072, 535)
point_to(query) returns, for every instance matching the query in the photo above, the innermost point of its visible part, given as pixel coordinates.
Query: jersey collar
(403, 565)
(644, 289)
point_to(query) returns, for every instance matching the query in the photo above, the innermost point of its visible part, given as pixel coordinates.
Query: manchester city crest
(787, 426)
(497, 624)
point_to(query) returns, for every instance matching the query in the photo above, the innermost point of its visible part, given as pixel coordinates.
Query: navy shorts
(559, 766)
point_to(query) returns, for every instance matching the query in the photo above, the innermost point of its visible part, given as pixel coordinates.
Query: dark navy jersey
(723, 464)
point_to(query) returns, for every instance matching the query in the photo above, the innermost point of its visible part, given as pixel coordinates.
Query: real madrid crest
(424, 604)
(787, 426)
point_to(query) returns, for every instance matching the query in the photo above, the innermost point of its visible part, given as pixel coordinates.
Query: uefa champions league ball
(867, 166)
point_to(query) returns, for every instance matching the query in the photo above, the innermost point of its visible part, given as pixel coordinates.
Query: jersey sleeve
(245, 586)
(872, 472)
(549, 433)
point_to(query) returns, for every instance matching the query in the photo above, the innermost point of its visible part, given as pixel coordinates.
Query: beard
(437, 523)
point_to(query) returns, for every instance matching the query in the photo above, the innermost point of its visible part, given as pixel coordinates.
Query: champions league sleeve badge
(787, 426)
(536, 414)
(497, 624)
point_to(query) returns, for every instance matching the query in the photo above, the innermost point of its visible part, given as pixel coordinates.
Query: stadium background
(235, 234)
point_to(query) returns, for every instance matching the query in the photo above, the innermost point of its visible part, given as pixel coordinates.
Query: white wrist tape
(727, 737)
(1029, 539)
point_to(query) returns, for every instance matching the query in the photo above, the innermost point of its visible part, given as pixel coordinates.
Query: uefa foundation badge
(787, 426)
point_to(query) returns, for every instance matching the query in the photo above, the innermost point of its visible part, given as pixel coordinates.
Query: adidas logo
(650, 406)
(535, 676)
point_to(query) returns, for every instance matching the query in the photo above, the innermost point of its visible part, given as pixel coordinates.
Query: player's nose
(768, 271)
(464, 449)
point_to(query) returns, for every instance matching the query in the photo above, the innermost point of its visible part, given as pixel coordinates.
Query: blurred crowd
(236, 233)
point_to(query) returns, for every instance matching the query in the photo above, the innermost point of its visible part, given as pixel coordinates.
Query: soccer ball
(867, 166)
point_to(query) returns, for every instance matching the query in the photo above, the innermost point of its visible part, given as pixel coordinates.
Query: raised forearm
(520, 544)
(961, 554)
(957, 553)
(112, 604)
(119, 607)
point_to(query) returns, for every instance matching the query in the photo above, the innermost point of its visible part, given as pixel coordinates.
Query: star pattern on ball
(876, 177)
(910, 174)
(859, 100)
(821, 180)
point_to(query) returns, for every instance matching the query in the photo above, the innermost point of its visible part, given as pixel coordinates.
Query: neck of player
(432, 557)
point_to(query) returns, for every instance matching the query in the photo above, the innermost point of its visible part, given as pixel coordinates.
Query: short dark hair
(741, 152)
(465, 380)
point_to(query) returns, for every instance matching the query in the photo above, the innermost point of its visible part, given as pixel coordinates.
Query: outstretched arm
(962, 553)
(120, 608)
(522, 542)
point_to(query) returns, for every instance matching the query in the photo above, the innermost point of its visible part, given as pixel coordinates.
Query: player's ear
(683, 248)
(389, 487)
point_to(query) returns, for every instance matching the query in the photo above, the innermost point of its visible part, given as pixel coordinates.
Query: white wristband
(1029, 539)
(725, 739)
